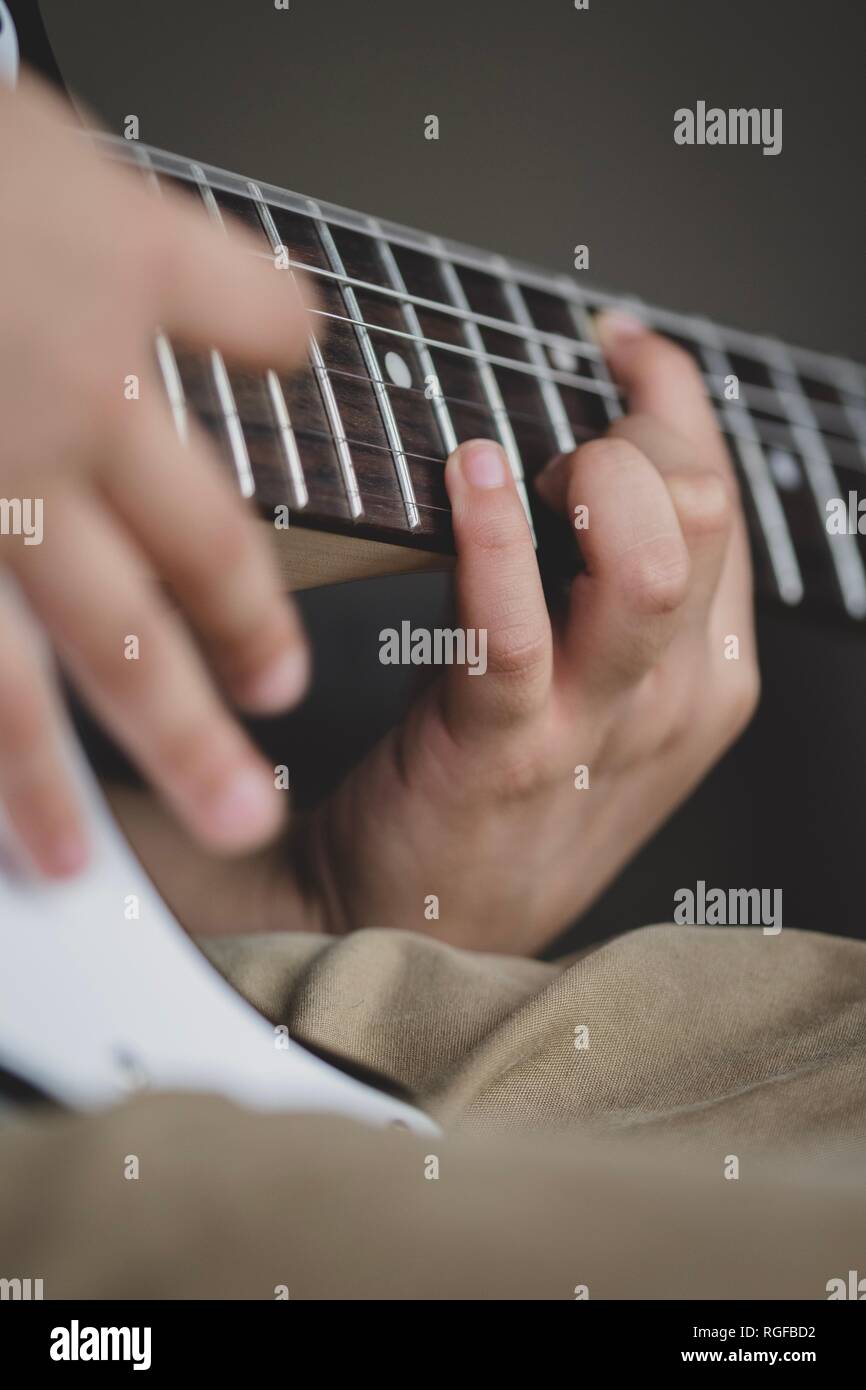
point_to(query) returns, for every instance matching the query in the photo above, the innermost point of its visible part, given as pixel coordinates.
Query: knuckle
(501, 531)
(703, 503)
(517, 649)
(517, 778)
(654, 576)
(613, 451)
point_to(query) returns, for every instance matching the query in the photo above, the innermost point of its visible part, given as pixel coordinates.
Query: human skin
(91, 261)
(473, 798)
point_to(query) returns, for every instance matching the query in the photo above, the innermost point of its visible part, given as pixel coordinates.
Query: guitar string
(578, 383)
(572, 380)
(561, 288)
(783, 443)
(307, 431)
(574, 346)
(328, 494)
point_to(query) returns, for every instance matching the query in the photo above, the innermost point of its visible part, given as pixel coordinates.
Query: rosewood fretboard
(420, 343)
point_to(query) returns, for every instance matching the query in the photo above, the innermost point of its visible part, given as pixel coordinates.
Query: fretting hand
(649, 678)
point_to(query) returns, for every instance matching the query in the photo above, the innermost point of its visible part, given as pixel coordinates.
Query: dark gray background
(556, 128)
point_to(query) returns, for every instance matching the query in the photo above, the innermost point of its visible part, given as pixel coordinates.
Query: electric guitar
(418, 343)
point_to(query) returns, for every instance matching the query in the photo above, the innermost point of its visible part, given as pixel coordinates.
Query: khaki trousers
(678, 1113)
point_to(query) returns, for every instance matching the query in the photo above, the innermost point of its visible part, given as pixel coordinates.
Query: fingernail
(483, 464)
(246, 810)
(282, 683)
(615, 326)
(65, 857)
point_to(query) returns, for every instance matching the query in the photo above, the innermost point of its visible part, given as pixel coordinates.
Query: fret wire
(165, 357)
(274, 387)
(766, 398)
(598, 365)
(603, 387)
(693, 329)
(581, 383)
(558, 419)
(234, 429)
(317, 363)
(371, 361)
(768, 505)
(729, 431)
(520, 415)
(854, 409)
(354, 441)
(286, 433)
(335, 420)
(141, 156)
(285, 429)
(219, 371)
(749, 434)
(173, 385)
(583, 345)
(576, 346)
(309, 432)
(825, 366)
(845, 554)
(207, 195)
(473, 337)
(410, 318)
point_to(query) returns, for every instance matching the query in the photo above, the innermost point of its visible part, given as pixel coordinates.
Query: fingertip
(243, 814)
(618, 329)
(281, 685)
(478, 465)
(56, 852)
(66, 857)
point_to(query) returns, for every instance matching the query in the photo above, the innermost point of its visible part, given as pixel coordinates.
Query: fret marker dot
(562, 359)
(397, 369)
(785, 470)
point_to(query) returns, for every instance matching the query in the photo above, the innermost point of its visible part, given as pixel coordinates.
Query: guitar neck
(418, 343)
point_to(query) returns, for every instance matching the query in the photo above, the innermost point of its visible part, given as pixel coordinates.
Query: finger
(137, 668)
(499, 592)
(661, 380)
(214, 555)
(34, 786)
(625, 608)
(224, 291)
(701, 500)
